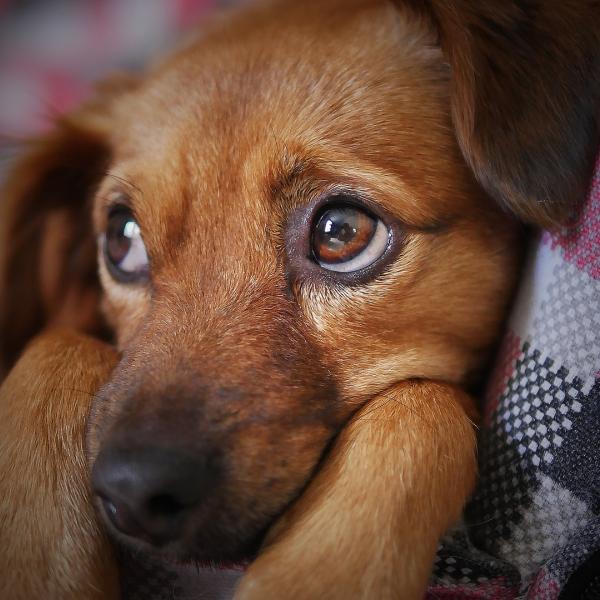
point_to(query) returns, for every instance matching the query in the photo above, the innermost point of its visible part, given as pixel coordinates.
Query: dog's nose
(151, 492)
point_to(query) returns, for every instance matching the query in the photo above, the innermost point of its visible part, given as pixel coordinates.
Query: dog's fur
(319, 396)
(52, 546)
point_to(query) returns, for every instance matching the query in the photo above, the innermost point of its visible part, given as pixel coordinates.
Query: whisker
(373, 409)
(70, 389)
(124, 181)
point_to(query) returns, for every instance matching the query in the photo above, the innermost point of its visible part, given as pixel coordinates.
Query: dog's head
(304, 206)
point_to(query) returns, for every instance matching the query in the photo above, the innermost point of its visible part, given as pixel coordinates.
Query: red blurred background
(51, 51)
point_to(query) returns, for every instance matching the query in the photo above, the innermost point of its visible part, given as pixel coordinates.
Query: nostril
(165, 505)
(157, 521)
(121, 517)
(152, 492)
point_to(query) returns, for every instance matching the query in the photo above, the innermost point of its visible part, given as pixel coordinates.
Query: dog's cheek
(287, 458)
(124, 307)
(434, 314)
(267, 468)
(347, 335)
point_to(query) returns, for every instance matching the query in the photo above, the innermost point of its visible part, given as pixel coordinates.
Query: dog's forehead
(313, 72)
(212, 128)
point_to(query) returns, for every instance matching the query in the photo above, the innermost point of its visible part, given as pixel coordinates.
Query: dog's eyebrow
(296, 178)
(290, 170)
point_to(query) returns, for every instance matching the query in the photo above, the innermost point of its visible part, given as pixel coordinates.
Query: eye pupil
(346, 237)
(124, 249)
(346, 233)
(341, 233)
(117, 240)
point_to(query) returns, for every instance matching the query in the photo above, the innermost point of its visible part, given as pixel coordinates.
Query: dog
(258, 282)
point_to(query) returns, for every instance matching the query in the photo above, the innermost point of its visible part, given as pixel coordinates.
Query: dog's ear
(47, 250)
(525, 95)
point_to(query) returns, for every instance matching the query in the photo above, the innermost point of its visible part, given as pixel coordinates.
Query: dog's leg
(50, 544)
(368, 525)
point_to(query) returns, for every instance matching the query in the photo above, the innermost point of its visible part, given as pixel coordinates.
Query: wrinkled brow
(288, 174)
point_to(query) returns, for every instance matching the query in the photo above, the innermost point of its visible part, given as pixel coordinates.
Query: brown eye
(347, 238)
(124, 250)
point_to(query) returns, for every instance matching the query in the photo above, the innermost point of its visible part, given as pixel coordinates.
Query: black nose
(150, 492)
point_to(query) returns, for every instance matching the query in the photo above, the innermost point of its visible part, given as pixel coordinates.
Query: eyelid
(107, 197)
(119, 201)
(123, 202)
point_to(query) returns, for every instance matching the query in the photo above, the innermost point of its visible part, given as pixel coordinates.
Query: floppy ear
(47, 249)
(525, 97)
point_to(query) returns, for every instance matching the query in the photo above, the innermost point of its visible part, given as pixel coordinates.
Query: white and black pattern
(535, 515)
(577, 465)
(550, 521)
(459, 561)
(536, 509)
(567, 325)
(574, 555)
(536, 412)
(527, 429)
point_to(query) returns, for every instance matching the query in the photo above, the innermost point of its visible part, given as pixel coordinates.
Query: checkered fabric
(532, 529)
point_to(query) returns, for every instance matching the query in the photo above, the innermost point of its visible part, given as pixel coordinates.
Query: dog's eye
(124, 248)
(347, 238)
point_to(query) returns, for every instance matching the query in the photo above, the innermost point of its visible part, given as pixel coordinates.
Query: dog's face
(286, 227)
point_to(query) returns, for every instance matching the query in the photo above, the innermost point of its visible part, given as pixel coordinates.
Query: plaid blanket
(532, 529)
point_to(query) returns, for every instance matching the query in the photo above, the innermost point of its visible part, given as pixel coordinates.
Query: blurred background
(52, 51)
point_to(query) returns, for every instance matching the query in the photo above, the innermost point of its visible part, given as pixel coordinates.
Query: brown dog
(296, 242)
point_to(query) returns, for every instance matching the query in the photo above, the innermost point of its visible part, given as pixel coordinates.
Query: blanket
(532, 529)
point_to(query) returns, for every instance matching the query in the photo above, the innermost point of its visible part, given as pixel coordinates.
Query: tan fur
(307, 387)
(52, 546)
(338, 541)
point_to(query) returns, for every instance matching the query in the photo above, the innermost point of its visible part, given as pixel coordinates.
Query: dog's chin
(178, 553)
(209, 544)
